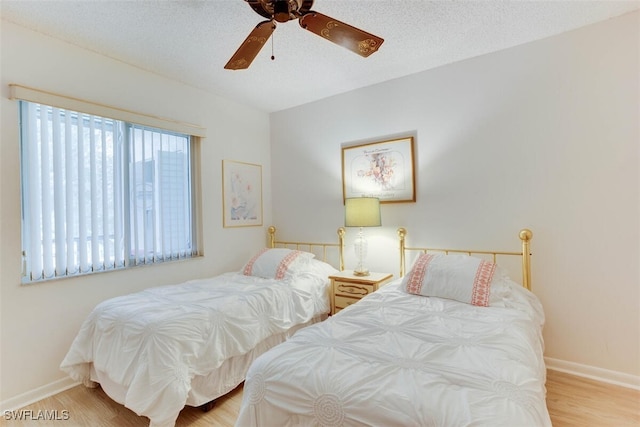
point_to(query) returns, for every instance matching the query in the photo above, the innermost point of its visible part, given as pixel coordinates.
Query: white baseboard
(591, 372)
(37, 394)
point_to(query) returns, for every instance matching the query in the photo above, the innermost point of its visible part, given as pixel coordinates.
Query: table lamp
(361, 212)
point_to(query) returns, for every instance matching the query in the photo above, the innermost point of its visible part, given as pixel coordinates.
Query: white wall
(39, 321)
(543, 136)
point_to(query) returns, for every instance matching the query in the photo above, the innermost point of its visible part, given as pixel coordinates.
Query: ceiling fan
(345, 35)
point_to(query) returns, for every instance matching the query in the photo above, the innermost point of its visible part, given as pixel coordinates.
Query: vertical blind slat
(168, 228)
(186, 201)
(181, 201)
(82, 199)
(143, 196)
(106, 257)
(47, 208)
(172, 226)
(175, 245)
(34, 252)
(59, 198)
(95, 225)
(133, 197)
(70, 177)
(162, 241)
(154, 193)
(117, 195)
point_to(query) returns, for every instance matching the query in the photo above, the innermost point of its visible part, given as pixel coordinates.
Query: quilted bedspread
(155, 341)
(395, 359)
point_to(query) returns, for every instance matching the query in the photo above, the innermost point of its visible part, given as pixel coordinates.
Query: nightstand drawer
(344, 302)
(357, 290)
(347, 288)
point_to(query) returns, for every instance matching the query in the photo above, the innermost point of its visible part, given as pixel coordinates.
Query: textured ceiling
(190, 41)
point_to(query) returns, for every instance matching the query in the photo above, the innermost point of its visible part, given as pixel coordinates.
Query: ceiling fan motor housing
(281, 10)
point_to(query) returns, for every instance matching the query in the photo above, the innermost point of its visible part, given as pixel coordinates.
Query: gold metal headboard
(310, 245)
(525, 236)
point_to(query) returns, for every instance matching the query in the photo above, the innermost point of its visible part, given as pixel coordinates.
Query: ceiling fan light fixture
(281, 10)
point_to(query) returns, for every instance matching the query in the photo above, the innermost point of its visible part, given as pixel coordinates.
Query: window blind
(101, 194)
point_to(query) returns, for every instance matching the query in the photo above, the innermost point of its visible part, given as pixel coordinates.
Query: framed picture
(241, 194)
(380, 169)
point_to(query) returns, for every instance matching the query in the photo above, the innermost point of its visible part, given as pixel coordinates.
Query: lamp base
(362, 272)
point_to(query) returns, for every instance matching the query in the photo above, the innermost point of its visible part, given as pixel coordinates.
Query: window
(100, 194)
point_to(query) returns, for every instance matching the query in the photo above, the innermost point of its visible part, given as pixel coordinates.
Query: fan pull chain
(272, 55)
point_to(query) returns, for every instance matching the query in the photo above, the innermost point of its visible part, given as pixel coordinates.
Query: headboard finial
(341, 232)
(402, 233)
(526, 234)
(272, 236)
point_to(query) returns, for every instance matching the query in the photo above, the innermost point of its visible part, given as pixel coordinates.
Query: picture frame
(241, 194)
(383, 169)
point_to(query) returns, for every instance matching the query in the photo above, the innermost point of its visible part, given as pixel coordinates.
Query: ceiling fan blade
(249, 49)
(352, 38)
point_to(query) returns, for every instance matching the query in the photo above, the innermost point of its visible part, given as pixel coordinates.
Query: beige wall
(543, 136)
(38, 322)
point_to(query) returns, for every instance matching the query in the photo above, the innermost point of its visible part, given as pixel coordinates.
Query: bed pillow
(277, 263)
(459, 277)
(322, 268)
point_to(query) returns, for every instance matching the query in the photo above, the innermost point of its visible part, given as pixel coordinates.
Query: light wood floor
(572, 401)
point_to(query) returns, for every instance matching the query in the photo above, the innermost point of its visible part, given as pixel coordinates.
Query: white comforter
(395, 359)
(155, 341)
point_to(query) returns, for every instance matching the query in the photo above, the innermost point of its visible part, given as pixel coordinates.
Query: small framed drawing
(380, 169)
(241, 194)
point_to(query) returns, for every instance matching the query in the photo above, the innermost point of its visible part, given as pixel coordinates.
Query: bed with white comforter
(155, 351)
(398, 359)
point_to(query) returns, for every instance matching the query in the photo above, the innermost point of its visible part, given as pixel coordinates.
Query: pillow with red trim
(277, 263)
(458, 277)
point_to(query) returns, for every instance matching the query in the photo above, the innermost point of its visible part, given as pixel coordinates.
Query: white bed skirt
(219, 382)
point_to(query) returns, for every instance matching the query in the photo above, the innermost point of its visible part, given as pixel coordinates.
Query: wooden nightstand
(347, 289)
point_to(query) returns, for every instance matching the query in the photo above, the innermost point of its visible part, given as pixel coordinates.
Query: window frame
(131, 119)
